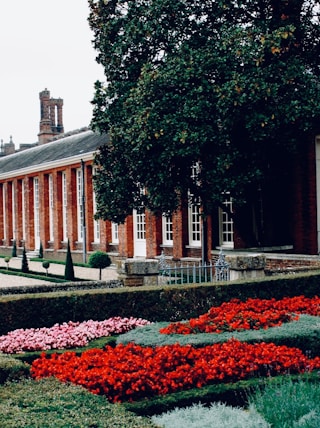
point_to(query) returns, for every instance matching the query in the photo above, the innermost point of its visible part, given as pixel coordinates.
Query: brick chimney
(51, 118)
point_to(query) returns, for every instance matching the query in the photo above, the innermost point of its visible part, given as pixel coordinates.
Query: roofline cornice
(48, 165)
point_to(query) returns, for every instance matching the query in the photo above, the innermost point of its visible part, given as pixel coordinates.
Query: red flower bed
(253, 314)
(130, 372)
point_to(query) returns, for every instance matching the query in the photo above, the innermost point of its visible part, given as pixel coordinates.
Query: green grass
(33, 275)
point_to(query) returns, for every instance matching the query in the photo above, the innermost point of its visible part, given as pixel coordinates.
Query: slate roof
(68, 146)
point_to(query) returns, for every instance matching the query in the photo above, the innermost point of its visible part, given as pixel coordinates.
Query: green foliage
(7, 260)
(52, 404)
(99, 260)
(303, 334)
(225, 84)
(218, 415)
(69, 270)
(46, 266)
(12, 369)
(288, 403)
(41, 251)
(155, 303)
(14, 249)
(25, 264)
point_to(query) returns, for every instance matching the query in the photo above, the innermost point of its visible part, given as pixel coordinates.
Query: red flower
(130, 372)
(253, 314)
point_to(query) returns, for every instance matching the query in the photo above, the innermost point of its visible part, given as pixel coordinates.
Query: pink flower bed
(65, 336)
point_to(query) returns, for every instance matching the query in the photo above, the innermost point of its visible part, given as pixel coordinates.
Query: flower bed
(67, 335)
(131, 372)
(253, 314)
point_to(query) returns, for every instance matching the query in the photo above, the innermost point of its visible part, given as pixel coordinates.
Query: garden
(227, 367)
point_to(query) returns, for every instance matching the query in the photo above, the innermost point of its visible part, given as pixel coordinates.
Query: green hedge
(157, 303)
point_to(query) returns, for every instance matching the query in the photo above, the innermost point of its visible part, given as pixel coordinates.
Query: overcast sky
(45, 44)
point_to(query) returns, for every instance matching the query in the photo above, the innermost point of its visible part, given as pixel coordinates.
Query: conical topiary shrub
(14, 249)
(69, 270)
(41, 251)
(25, 265)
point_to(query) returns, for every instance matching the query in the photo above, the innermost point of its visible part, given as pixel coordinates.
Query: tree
(41, 251)
(24, 264)
(46, 265)
(69, 270)
(14, 249)
(216, 88)
(7, 260)
(99, 260)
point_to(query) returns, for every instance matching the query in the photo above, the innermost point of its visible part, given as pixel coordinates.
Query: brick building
(47, 197)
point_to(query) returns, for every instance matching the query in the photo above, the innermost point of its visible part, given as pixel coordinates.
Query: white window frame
(96, 223)
(79, 204)
(51, 208)
(64, 206)
(14, 214)
(114, 233)
(194, 215)
(36, 210)
(23, 211)
(167, 230)
(226, 224)
(194, 221)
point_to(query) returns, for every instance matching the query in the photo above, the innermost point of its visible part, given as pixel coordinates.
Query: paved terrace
(108, 274)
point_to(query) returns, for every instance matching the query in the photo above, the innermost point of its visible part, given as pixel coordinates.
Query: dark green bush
(41, 251)
(155, 303)
(53, 404)
(14, 249)
(99, 260)
(69, 270)
(24, 265)
(12, 369)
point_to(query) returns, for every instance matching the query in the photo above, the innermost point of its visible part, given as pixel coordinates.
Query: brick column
(126, 238)
(153, 234)
(180, 232)
(1, 215)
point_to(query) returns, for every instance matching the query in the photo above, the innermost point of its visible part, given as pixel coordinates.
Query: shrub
(297, 403)
(24, 266)
(46, 266)
(41, 251)
(7, 260)
(12, 369)
(52, 404)
(69, 270)
(14, 249)
(218, 415)
(99, 260)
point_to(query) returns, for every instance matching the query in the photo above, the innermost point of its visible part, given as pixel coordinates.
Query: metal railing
(222, 268)
(193, 272)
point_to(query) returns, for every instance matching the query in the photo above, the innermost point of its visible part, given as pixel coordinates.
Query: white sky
(45, 44)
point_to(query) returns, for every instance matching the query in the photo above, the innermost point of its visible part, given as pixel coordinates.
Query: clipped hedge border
(155, 303)
(12, 369)
(234, 394)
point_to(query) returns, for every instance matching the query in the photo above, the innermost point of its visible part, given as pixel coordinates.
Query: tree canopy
(199, 96)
